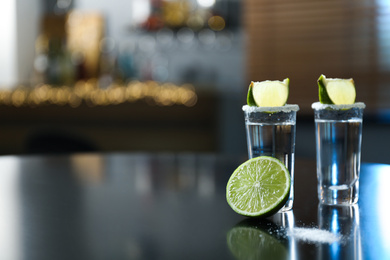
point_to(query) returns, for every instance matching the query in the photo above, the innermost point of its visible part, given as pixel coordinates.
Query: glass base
(339, 195)
(288, 206)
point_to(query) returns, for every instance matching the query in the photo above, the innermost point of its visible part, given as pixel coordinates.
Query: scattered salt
(313, 235)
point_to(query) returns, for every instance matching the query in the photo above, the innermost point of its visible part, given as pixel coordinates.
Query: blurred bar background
(172, 75)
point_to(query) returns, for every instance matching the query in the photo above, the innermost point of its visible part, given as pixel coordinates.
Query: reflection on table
(345, 221)
(173, 206)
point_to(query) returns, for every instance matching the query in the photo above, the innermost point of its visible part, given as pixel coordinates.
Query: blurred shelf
(136, 126)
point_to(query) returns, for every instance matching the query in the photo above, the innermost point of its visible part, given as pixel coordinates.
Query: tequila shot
(270, 131)
(338, 131)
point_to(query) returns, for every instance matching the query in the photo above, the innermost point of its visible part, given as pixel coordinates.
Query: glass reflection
(206, 181)
(10, 221)
(142, 174)
(88, 168)
(343, 221)
(187, 171)
(286, 220)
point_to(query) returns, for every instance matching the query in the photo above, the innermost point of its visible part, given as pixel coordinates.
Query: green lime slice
(336, 91)
(254, 243)
(259, 187)
(269, 93)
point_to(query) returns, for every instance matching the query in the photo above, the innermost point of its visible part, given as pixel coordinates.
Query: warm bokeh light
(216, 23)
(89, 92)
(195, 22)
(174, 14)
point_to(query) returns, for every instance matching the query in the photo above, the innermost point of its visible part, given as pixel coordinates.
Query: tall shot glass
(338, 131)
(270, 131)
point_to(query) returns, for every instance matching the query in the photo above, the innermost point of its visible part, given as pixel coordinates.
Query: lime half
(259, 187)
(336, 91)
(269, 93)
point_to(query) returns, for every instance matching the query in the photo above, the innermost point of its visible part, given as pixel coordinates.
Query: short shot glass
(270, 131)
(338, 132)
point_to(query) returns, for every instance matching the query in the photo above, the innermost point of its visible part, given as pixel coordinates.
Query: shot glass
(270, 131)
(338, 130)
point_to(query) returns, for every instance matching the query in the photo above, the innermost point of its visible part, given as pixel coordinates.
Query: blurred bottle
(154, 22)
(41, 61)
(109, 69)
(60, 69)
(126, 62)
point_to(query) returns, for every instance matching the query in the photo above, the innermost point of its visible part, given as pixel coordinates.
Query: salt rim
(286, 108)
(319, 106)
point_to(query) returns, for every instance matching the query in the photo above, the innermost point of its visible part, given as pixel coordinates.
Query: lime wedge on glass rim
(336, 91)
(259, 187)
(269, 93)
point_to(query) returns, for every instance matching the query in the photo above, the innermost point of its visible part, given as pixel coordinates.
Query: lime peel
(336, 91)
(259, 187)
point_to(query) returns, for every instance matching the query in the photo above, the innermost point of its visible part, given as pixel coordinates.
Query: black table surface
(173, 206)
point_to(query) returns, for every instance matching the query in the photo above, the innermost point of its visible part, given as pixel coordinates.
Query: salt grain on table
(313, 235)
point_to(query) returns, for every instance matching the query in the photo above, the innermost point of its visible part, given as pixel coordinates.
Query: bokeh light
(216, 23)
(90, 93)
(206, 3)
